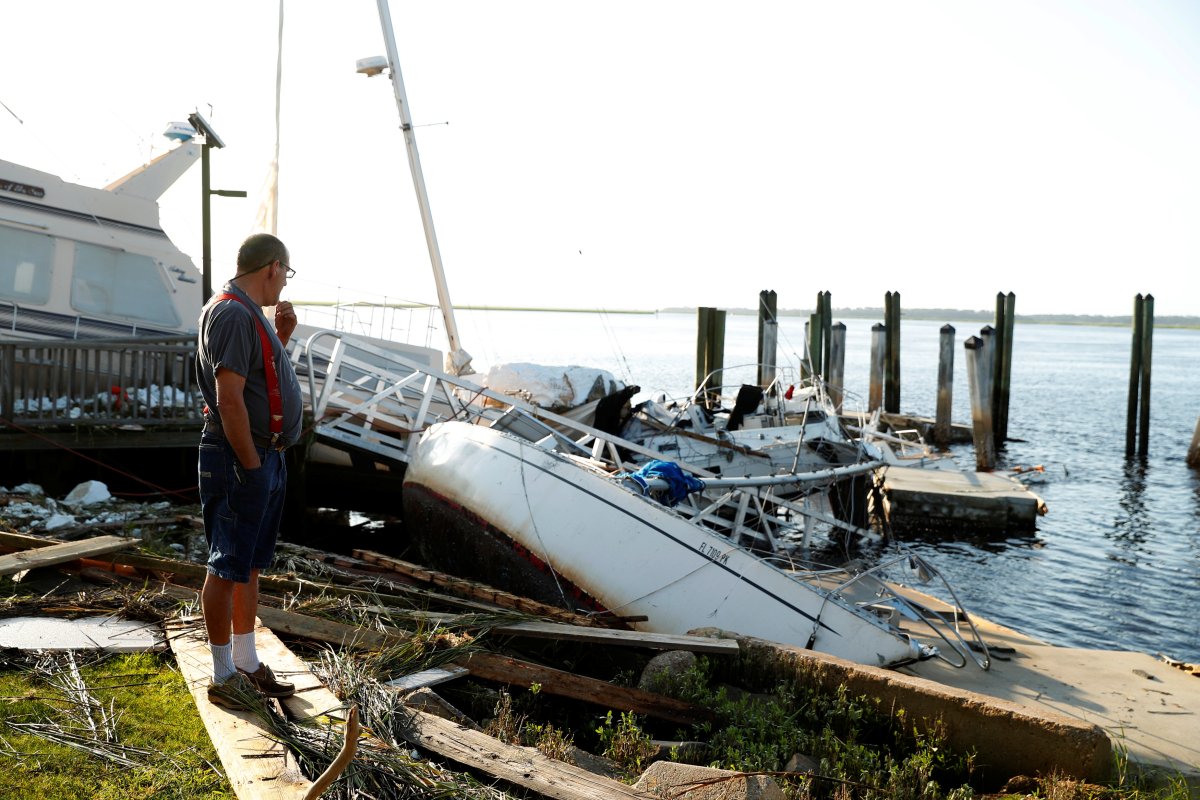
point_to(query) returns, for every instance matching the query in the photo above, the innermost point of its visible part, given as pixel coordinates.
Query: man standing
(253, 411)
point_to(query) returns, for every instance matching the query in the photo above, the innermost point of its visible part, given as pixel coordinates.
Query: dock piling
(945, 390)
(767, 317)
(891, 370)
(1137, 416)
(979, 384)
(1147, 347)
(1193, 456)
(710, 354)
(878, 355)
(826, 301)
(837, 364)
(1002, 366)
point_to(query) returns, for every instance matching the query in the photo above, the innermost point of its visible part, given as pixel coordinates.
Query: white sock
(245, 655)
(223, 666)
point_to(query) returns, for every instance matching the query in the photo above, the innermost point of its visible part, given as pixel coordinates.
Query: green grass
(154, 712)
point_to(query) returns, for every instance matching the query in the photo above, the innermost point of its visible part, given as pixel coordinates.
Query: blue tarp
(680, 484)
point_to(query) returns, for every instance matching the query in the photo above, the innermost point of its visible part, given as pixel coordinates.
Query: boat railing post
(945, 384)
(978, 381)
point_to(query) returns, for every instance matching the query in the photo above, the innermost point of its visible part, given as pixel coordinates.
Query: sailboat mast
(458, 361)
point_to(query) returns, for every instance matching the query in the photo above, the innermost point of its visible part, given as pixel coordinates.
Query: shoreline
(926, 314)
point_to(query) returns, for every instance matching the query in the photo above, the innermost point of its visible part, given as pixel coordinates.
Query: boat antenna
(458, 361)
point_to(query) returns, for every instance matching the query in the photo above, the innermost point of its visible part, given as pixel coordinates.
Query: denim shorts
(242, 508)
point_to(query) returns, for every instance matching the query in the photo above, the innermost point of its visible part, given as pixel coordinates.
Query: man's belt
(214, 427)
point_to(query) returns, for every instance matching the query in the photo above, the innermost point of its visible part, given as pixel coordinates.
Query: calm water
(1116, 561)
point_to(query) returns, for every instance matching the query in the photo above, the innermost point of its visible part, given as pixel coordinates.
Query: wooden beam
(50, 553)
(474, 589)
(281, 583)
(494, 667)
(257, 766)
(522, 766)
(656, 641)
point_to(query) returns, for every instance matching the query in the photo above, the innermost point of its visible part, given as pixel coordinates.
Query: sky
(644, 155)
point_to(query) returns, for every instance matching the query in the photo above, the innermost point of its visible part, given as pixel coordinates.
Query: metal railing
(147, 381)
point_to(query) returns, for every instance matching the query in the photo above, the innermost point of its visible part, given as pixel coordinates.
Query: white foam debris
(59, 521)
(87, 493)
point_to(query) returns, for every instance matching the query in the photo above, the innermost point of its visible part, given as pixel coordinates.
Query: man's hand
(285, 320)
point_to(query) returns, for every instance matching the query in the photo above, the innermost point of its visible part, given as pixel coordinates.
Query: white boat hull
(578, 530)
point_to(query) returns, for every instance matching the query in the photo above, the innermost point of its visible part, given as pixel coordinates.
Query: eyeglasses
(291, 273)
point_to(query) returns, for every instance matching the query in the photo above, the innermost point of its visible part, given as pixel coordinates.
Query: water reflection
(1132, 525)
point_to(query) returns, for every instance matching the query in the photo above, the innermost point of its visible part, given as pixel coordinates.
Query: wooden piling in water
(826, 301)
(767, 314)
(988, 354)
(769, 344)
(837, 364)
(878, 355)
(979, 383)
(1193, 455)
(1147, 347)
(811, 367)
(1135, 373)
(1002, 363)
(1137, 413)
(891, 369)
(710, 353)
(945, 384)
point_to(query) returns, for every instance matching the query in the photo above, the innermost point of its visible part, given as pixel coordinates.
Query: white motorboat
(83, 263)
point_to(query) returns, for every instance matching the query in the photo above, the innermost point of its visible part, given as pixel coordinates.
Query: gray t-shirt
(229, 338)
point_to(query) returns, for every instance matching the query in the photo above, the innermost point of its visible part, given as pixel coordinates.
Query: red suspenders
(274, 397)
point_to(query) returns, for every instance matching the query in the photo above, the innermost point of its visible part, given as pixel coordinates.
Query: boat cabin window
(114, 283)
(26, 265)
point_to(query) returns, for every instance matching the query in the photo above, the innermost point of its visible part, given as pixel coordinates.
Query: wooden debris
(656, 641)
(427, 677)
(523, 766)
(493, 667)
(481, 591)
(258, 767)
(49, 553)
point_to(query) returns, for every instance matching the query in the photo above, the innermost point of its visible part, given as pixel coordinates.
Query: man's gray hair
(259, 249)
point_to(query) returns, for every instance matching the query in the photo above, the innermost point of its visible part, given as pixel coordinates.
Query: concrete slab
(1147, 707)
(926, 498)
(87, 633)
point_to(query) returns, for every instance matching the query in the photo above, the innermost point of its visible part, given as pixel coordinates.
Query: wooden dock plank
(523, 766)
(258, 767)
(45, 554)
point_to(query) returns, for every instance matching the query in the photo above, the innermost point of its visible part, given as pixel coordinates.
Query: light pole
(210, 140)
